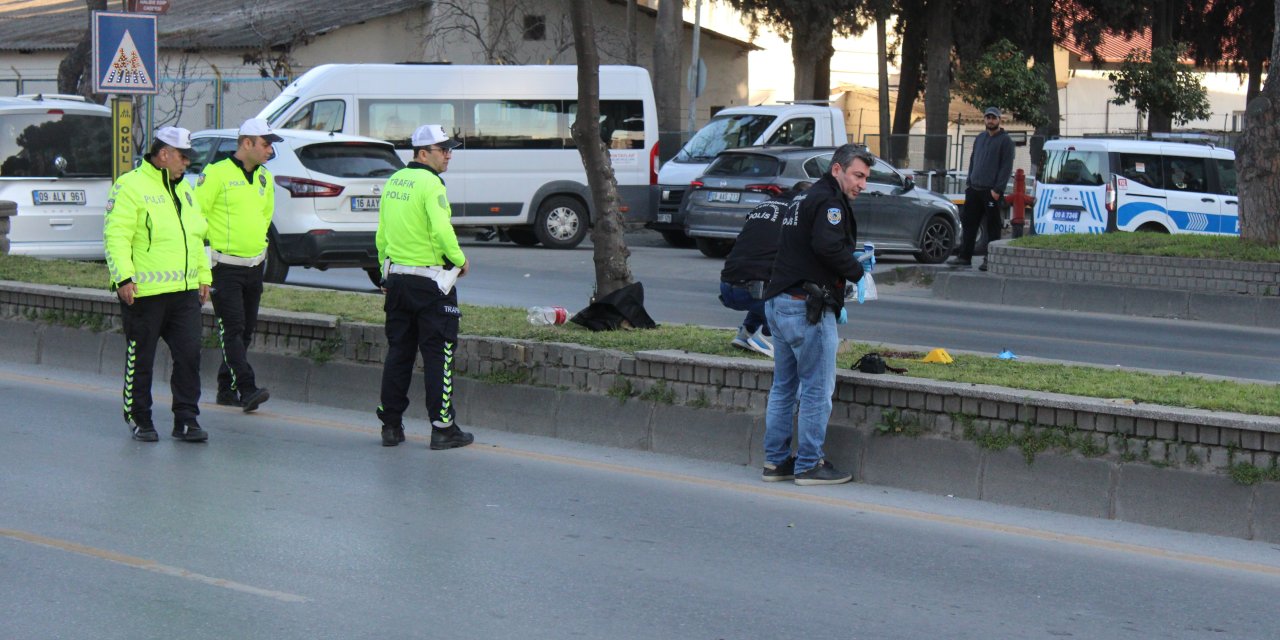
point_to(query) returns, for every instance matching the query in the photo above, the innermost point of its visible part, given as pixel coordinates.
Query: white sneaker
(741, 340)
(760, 343)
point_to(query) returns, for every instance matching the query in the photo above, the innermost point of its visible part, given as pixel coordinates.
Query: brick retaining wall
(1154, 272)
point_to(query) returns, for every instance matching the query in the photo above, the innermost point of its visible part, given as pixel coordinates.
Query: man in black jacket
(990, 164)
(805, 293)
(747, 268)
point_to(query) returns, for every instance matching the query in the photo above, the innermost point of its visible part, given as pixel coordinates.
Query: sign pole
(121, 135)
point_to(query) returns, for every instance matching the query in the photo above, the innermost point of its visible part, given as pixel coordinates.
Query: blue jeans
(804, 373)
(739, 299)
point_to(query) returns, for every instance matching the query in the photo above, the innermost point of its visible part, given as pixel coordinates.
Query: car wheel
(937, 242)
(1152, 227)
(562, 223)
(375, 276)
(275, 269)
(523, 236)
(677, 239)
(714, 248)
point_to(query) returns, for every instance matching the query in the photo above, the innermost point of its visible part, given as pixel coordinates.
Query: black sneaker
(255, 398)
(189, 430)
(780, 472)
(983, 266)
(392, 435)
(229, 399)
(450, 437)
(822, 473)
(145, 432)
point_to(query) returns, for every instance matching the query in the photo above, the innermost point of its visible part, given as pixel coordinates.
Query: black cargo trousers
(237, 292)
(175, 317)
(979, 209)
(420, 319)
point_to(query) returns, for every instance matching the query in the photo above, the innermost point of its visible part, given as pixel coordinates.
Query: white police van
(1095, 185)
(55, 163)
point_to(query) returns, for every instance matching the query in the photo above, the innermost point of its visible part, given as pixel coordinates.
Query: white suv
(328, 186)
(55, 163)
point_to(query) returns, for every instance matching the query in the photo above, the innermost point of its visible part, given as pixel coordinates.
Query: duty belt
(224, 258)
(426, 272)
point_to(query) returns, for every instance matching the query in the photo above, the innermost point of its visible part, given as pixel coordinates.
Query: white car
(55, 163)
(328, 186)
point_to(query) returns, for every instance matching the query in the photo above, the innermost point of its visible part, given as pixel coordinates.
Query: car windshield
(351, 159)
(1072, 166)
(723, 132)
(744, 165)
(46, 145)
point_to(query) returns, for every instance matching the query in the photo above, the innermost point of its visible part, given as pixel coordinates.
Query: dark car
(891, 212)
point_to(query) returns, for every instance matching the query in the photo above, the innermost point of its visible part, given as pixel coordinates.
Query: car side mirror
(908, 183)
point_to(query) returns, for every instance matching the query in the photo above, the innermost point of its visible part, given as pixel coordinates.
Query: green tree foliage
(1158, 83)
(1001, 77)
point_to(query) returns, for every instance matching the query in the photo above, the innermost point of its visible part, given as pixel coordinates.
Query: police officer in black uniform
(805, 294)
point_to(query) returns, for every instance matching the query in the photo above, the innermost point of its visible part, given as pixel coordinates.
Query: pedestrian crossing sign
(124, 53)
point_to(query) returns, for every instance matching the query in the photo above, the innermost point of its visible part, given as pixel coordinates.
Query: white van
(518, 168)
(55, 163)
(1094, 185)
(800, 125)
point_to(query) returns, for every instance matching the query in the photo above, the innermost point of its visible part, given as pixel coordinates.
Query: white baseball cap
(175, 137)
(259, 127)
(433, 134)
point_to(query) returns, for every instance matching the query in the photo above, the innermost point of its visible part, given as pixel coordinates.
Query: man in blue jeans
(747, 268)
(804, 296)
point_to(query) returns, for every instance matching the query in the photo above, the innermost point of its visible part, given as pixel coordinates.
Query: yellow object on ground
(938, 355)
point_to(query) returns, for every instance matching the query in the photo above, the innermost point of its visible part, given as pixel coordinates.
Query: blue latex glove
(843, 318)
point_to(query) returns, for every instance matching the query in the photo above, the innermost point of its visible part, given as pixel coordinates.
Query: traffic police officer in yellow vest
(154, 240)
(237, 195)
(421, 260)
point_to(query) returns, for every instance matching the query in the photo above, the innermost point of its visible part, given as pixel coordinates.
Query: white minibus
(518, 169)
(1094, 185)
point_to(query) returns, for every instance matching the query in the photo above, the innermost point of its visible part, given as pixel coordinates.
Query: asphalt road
(681, 285)
(295, 523)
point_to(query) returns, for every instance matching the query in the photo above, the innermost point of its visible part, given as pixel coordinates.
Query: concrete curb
(939, 463)
(990, 288)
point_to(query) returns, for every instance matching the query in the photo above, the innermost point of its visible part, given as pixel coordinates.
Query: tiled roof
(43, 25)
(1112, 47)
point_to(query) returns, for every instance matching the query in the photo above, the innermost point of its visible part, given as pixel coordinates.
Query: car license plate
(44, 196)
(1066, 215)
(723, 196)
(664, 217)
(364, 203)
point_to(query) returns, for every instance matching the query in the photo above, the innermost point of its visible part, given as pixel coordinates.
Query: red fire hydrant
(1018, 202)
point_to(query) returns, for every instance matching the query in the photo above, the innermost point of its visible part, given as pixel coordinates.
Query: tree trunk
(912, 65)
(610, 248)
(882, 93)
(631, 32)
(1162, 21)
(1257, 161)
(73, 71)
(1254, 86)
(937, 94)
(1042, 15)
(667, 80)
(811, 49)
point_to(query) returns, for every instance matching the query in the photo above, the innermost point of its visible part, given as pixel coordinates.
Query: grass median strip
(1126, 386)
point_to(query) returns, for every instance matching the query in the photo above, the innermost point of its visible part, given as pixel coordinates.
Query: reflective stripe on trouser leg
(222, 345)
(445, 416)
(130, 360)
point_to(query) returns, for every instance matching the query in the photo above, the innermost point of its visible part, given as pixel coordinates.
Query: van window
(322, 115)
(1142, 168)
(395, 120)
(1185, 174)
(621, 124)
(515, 124)
(1070, 166)
(52, 144)
(724, 132)
(1227, 177)
(796, 131)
